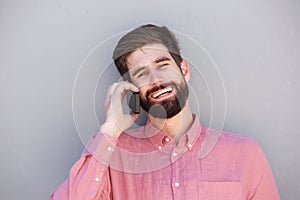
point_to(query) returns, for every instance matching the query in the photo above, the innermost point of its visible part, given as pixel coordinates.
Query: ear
(185, 70)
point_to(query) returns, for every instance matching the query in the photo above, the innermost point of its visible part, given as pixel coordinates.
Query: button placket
(176, 182)
(174, 156)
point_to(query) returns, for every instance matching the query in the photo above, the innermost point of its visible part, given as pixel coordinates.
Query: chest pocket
(220, 190)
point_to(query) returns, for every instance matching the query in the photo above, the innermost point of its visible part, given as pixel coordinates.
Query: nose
(155, 77)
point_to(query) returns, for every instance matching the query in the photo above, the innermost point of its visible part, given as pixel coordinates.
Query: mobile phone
(134, 102)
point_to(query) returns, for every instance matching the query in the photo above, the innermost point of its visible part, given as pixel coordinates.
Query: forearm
(89, 177)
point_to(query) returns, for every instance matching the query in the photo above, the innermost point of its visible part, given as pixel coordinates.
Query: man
(172, 156)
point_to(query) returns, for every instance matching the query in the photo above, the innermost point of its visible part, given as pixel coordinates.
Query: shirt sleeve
(89, 176)
(261, 184)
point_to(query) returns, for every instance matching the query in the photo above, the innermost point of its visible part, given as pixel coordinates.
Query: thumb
(134, 116)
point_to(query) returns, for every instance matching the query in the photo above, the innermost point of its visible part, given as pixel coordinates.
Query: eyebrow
(158, 60)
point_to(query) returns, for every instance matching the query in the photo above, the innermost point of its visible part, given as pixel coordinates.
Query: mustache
(159, 87)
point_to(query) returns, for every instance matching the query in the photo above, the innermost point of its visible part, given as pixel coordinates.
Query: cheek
(143, 91)
(172, 75)
(142, 83)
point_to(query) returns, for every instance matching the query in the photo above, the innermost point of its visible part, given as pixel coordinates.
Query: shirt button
(167, 139)
(97, 179)
(174, 154)
(159, 147)
(110, 148)
(176, 184)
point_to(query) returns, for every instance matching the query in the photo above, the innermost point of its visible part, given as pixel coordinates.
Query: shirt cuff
(101, 146)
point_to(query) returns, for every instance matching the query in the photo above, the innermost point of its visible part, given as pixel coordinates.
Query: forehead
(147, 55)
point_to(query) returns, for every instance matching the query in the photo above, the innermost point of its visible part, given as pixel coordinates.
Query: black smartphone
(134, 102)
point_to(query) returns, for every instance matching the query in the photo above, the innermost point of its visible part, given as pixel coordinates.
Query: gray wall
(55, 53)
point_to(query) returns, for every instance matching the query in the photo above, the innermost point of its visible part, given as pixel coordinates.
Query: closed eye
(142, 74)
(161, 65)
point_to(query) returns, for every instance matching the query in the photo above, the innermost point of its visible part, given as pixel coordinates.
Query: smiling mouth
(161, 92)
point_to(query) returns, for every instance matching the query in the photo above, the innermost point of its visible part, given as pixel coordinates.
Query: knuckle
(114, 84)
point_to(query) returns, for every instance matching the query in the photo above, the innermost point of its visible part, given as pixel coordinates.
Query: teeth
(161, 92)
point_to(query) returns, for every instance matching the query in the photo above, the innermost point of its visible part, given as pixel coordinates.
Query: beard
(166, 108)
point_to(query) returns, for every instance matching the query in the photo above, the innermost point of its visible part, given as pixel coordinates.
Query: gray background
(254, 44)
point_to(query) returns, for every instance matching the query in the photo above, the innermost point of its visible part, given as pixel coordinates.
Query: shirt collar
(160, 139)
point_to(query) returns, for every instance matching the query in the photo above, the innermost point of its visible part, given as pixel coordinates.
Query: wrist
(110, 129)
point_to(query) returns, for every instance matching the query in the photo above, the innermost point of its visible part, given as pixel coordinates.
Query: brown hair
(141, 36)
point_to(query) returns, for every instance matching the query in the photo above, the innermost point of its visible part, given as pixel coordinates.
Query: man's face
(162, 85)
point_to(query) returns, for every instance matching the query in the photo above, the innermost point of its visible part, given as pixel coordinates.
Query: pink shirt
(146, 164)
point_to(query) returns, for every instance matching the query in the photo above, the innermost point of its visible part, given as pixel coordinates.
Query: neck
(177, 125)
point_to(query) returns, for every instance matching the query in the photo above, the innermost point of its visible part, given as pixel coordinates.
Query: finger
(116, 93)
(125, 86)
(134, 116)
(108, 96)
(113, 88)
(109, 93)
(107, 102)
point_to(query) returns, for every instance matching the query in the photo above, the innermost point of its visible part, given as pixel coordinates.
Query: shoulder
(231, 142)
(228, 137)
